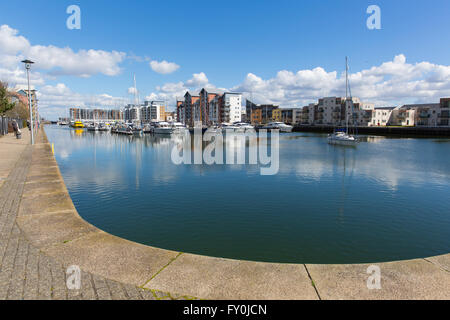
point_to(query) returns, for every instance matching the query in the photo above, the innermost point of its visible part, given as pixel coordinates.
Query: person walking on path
(16, 129)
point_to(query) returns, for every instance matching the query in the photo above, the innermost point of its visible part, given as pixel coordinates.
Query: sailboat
(93, 126)
(343, 137)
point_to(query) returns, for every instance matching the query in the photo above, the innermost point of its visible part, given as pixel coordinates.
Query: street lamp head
(28, 63)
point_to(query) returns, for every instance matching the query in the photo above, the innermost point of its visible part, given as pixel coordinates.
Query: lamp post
(28, 64)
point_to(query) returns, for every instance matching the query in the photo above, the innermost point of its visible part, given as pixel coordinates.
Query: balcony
(424, 115)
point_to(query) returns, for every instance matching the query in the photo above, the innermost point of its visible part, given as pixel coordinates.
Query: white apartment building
(232, 107)
(382, 116)
(425, 115)
(330, 111)
(404, 117)
(336, 111)
(132, 113)
(152, 111)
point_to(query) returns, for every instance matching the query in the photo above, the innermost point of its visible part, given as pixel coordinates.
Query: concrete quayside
(39, 218)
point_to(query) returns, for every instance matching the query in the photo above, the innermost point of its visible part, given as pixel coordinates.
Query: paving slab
(412, 279)
(44, 177)
(441, 261)
(37, 203)
(45, 230)
(112, 257)
(37, 170)
(215, 278)
(42, 187)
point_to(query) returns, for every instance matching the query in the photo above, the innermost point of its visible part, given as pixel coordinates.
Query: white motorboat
(92, 127)
(103, 127)
(243, 127)
(163, 128)
(227, 127)
(178, 128)
(278, 126)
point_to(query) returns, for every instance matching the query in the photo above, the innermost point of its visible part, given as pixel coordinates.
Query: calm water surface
(387, 199)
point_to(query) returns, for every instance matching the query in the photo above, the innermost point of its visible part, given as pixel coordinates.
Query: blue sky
(228, 40)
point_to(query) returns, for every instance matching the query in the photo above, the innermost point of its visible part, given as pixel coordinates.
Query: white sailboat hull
(343, 140)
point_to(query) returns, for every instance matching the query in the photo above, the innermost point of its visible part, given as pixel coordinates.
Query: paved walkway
(26, 272)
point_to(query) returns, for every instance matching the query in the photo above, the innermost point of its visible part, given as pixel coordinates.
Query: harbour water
(388, 199)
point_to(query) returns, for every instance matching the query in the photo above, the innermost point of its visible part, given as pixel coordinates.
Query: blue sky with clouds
(287, 52)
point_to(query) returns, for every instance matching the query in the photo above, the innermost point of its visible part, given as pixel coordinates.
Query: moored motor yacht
(92, 127)
(227, 127)
(163, 128)
(178, 127)
(103, 127)
(243, 127)
(278, 126)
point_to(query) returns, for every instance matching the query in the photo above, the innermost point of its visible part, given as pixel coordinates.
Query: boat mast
(346, 92)
(135, 91)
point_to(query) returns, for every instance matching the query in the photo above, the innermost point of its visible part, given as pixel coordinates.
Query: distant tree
(5, 103)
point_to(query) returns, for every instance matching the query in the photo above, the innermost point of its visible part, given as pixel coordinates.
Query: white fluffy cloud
(390, 83)
(132, 91)
(51, 60)
(172, 91)
(164, 67)
(393, 82)
(198, 80)
(54, 100)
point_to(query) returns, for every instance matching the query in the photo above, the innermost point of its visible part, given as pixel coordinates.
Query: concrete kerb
(57, 229)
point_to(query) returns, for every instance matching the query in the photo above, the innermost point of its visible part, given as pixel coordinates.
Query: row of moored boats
(177, 127)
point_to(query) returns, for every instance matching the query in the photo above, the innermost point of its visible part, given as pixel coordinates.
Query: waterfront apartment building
(432, 114)
(335, 111)
(262, 113)
(153, 111)
(145, 113)
(80, 114)
(232, 107)
(209, 108)
(419, 115)
(132, 113)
